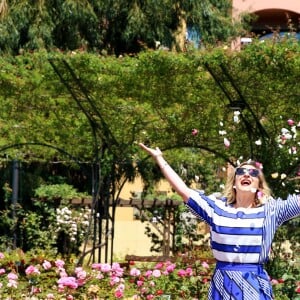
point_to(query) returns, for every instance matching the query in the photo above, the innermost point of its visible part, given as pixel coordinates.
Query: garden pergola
(102, 204)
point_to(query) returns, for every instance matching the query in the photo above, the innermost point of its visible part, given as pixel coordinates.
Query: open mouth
(245, 182)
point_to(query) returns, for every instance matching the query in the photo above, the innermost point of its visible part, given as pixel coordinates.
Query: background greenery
(142, 92)
(113, 27)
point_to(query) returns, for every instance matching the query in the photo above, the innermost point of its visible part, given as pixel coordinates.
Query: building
(271, 16)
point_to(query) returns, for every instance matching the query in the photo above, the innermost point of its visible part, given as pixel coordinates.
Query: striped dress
(241, 240)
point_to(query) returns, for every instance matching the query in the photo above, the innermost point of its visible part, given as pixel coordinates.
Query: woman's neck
(245, 200)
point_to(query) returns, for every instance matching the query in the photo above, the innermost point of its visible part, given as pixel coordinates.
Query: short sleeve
(201, 206)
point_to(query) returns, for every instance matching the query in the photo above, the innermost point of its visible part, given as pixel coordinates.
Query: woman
(242, 226)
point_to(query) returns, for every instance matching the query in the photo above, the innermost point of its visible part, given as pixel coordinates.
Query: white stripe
(247, 258)
(229, 208)
(248, 223)
(202, 203)
(248, 291)
(243, 240)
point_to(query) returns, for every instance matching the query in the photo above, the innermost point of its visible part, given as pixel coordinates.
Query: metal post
(15, 197)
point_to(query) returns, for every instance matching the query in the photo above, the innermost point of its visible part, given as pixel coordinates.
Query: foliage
(161, 98)
(50, 224)
(37, 275)
(58, 191)
(113, 27)
(185, 96)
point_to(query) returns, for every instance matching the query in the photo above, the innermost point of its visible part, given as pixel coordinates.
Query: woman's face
(247, 178)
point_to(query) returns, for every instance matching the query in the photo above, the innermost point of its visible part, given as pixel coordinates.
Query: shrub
(35, 276)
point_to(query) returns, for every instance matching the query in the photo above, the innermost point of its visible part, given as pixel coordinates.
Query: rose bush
(32, 276)
(24, 276)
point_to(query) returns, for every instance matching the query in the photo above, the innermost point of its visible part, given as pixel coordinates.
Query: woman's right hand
(153, 152)
(171, 176)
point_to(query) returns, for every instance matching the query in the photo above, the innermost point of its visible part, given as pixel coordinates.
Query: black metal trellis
(238, 102)
(103, 220)
(104, 139)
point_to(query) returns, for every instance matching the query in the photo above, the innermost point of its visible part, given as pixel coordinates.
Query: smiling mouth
(245, 182)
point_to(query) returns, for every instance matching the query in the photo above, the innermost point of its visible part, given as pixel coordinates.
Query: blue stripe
(220, 211)
(235, 248)
(239, 214)
(235, 290)
(227, 283)
(288, 209)
(214, 293)
(198, 210)
(237, 230)
(252, 280)
(242, 267)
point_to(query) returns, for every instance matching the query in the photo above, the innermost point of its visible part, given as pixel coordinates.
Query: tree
(114, 27)
(160, 97)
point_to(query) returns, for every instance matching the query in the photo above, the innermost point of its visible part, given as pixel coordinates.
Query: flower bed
(36, 277)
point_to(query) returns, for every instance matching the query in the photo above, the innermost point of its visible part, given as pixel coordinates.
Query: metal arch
(19, 145)
(221, 76)
(83, 100)
(100, 130)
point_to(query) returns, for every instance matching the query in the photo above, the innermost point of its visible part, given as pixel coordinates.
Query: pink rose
(159, 265)
(96, 266)
(119, 294)
(181, 273)
(148, 273)
(135, 272)
(59, 263)
(139, 283)
(68, 282)
(105, 268)
(114, 280)
(170, 268)
(195, 132)
(156, 273)
(189, 272)
(12, 276)
(46, 265)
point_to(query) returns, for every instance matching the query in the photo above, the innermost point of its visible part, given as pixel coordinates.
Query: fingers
(149, 150)
(144, 147)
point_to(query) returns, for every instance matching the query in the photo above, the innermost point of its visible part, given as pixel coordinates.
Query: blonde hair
(230, 193)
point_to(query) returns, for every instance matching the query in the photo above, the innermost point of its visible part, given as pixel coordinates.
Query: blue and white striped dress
(241, 240)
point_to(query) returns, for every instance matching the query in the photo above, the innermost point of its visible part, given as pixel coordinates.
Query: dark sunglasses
(243, 171)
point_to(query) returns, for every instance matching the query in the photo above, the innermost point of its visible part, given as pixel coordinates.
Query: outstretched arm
(171, 176)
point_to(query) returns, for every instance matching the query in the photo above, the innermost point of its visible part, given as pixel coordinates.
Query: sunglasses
(243, 171)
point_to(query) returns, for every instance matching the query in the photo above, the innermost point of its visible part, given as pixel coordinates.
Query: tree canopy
(113, 27)
(158, 97)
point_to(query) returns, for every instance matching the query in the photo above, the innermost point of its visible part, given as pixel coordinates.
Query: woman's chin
(248, 188)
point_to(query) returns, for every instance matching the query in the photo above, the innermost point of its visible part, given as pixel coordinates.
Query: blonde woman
(242, 227)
